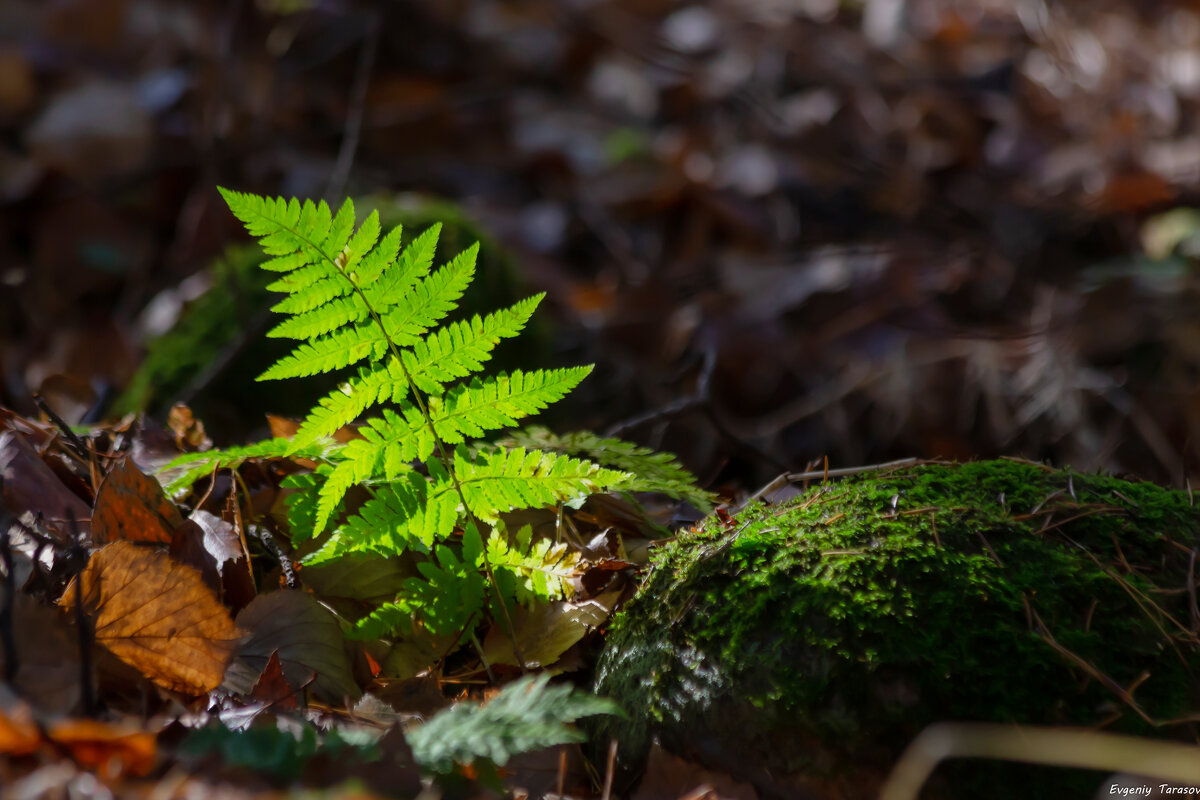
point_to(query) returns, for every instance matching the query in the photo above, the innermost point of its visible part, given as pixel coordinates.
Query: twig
(1090, 669)
(77, 445)
(1061, 747)
(799, 477)
(609, 770)
(562, 771)
(285, 562)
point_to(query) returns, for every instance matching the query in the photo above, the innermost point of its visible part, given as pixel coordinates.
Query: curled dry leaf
(157, 616)
(131, 505)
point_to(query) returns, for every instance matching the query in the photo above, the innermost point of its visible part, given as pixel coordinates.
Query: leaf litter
(146, 613)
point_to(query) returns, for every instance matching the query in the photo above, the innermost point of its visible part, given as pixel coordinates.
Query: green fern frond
(449, 595)
(335, 313)
(388, 284)
(428, 301)
(461, 348)
(503, 480)
(347, 402)
(527, 715)
(543, 570)
(399, 437)
(329, 353)
(356, 295)
(197, 465)
(649, 471)
(409, 513)
(495, 403)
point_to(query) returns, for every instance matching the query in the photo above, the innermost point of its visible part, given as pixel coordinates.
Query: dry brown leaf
(131, 505)
(31, 486)
(309, 641)
(669, 776)
(272, 688)
(109, 748)
(189, 431)
(212, 546)
(47, 655)
(157, 616)
(19, 734)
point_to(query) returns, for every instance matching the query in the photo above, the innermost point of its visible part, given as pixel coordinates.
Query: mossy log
(802, 646)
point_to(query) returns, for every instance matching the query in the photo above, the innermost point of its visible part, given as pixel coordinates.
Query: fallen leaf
(548, 631)
(189, 431)
(308, 639)
(157, 616)
(272, 688)
(668, 776)
(212, 546)
(47, 656)
(112, 749)
(31, 486)
(19, 735)
(358, 576)
(130, 505)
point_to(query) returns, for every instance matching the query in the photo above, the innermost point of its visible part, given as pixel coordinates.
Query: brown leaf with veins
(131, 505)
(157, 616)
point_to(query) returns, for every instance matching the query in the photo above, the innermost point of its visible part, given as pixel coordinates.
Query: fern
(647, 471)
(527, 715)
(420, 400)
(184, 470)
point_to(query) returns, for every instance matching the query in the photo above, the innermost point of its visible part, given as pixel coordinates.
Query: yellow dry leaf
(158, 616)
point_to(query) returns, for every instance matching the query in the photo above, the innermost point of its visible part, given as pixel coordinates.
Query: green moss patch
(822, 635)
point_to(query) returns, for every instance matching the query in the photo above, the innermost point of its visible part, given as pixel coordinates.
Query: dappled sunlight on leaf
(547, 631)
(157, 616)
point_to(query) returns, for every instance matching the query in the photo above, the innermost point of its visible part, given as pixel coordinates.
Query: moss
(217, 348)
(827, 632)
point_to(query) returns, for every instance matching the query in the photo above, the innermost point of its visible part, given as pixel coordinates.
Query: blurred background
(783, 229)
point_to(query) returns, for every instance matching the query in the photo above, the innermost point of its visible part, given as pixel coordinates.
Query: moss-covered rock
(804, 645)
(216, 349)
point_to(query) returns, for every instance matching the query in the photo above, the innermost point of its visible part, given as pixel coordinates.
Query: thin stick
(84, 629)
(562, 770)
(609, 770)
(1060, 747)
(81, 449)
(826, 474)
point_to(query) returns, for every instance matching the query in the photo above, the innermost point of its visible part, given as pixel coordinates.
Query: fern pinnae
(461, 348)
(429, 300)
(354, 296)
